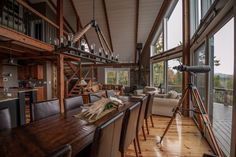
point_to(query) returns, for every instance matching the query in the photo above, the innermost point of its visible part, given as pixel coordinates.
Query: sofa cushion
(172, 94)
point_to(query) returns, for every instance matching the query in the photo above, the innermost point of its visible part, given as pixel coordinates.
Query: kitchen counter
(12, 94)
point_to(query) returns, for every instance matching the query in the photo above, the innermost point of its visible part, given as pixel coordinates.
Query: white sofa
(163, 104)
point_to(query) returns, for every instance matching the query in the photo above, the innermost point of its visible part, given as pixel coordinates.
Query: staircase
(71, 72)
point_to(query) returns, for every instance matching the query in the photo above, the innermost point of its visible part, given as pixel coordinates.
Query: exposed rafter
(156, 24)
(107, 22)
(136, 31)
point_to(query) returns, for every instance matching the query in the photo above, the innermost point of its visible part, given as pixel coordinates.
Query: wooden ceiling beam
(22, 38)
(22, 49)
(156, 24)
(111, 65)
(136, 31)
(107, 22)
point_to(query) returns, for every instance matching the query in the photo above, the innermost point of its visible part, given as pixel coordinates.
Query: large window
(117, 76)
(174, 77)
(198, 9)
(174, 27)
(221, 49)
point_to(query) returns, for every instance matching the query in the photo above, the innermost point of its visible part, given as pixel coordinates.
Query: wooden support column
(60, 20)
(60, 63)
(61, 81)
(186, 50)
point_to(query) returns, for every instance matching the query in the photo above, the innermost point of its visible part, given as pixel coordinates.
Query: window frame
(117, 70)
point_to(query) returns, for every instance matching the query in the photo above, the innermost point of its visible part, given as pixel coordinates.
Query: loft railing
(19, 16)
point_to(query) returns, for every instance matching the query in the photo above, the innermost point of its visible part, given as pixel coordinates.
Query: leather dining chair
(5, 119)
(141, 120)
(107, 138)
(128, 132)
(94, 97)
(148, 111)
(110, 93)
(73, 102)
(64, 151)
(44, 109)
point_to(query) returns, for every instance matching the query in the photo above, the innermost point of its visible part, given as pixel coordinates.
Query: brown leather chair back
(107, 138)
(5, 119)
(110, 93)
(142, 113)
(73, 102)
(94, 97)
(129, 126)
(44, 109)
(148, 111)
(64, 151)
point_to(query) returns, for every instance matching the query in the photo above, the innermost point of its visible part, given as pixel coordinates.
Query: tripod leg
(174, 113)
(206, 121)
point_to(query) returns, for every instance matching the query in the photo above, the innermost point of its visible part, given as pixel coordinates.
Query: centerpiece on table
(99, 109)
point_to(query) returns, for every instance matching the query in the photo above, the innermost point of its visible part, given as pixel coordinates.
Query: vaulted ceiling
(123, 22)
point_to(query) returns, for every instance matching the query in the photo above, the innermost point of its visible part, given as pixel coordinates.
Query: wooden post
(186, 50)
(60, 20)
(60, 63)
(61, 81)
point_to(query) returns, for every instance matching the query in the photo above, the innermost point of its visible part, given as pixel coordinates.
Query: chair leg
(152, 121)
(144, 135)
(135, 148)
(138, 143)
(147, 126)
(122, 154)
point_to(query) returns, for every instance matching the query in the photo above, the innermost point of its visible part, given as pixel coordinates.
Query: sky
(224, 48)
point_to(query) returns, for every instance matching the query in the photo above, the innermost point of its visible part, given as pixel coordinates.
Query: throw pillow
(172, 94)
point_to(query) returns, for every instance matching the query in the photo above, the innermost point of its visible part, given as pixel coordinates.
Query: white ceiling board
(148, 11)
(121, 16)
(85, 11)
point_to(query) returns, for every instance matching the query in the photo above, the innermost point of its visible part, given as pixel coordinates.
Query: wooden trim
(60, 19)
(22, 38)
(168, 53)
(23, 3)
(156, 24)
(233, 139)
(107, 22)
(136, 31)
(186, 51)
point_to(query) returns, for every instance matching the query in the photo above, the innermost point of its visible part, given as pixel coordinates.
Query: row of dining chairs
(118, 133)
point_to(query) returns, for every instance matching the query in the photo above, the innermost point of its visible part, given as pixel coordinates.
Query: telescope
(193, 69)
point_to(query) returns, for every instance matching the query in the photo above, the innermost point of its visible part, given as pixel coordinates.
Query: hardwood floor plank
(183, 139)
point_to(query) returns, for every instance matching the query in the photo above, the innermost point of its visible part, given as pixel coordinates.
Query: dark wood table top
(41, 138)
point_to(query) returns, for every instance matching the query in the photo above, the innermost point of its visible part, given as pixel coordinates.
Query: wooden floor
(222, 125)
(182, 140)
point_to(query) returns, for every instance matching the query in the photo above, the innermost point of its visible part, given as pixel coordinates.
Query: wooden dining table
(41, 138)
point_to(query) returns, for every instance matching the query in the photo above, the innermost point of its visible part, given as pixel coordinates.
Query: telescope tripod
(202, 117)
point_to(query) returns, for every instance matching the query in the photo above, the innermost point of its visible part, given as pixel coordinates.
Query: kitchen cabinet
(32, 71)
(40, 94)
(37, 72)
